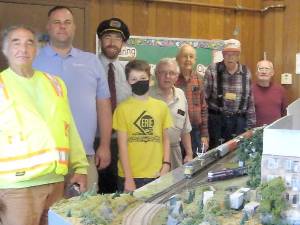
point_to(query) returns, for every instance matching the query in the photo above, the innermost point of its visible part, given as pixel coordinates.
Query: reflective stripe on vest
(19, 159)
(3, 92)
(55, 84)
(27, 161)
(63, 155)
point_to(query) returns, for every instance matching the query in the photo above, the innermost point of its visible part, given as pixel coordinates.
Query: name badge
(230, 96)
(180, 112)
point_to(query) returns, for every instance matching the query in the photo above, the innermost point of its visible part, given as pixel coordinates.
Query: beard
(111, 51)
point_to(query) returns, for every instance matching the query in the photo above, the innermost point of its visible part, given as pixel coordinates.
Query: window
(296, 166)
(294, 183)
(288, 181)
(287, 196)
(288, 165)
(295, 199)
(270, 177)
(272, 163)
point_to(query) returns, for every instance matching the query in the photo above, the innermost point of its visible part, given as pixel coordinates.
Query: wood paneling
(176, 20)
(33, 13)
(280, 34)
(276, 32)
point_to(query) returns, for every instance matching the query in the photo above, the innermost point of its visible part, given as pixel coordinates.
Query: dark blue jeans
(196, 140)
(223, 128)
(139, 182)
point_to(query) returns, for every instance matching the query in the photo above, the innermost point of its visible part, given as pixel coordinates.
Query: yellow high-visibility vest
(31, 144)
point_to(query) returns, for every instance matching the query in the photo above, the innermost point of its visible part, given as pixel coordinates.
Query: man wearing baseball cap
(228, 95)
(113, 34)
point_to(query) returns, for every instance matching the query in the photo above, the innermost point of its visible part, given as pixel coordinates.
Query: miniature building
(175, 214)
(236, 200)
(293, 216)
(281, 157)
(250, 208)
(246, 192)
(207, 195)
(175, 209)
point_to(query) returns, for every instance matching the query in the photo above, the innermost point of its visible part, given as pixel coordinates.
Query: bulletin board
(152, 49)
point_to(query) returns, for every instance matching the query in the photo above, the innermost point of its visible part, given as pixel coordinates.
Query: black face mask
(140, 87)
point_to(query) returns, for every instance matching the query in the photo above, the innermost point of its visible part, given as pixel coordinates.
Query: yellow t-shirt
(144, 122)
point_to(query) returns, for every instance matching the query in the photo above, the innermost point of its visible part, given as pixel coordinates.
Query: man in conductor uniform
(113, 34)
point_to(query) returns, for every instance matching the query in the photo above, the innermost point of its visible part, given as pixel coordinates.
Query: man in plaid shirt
(228, 95)
(192, 85)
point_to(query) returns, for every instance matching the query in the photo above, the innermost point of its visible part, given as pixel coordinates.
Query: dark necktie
(112, 86)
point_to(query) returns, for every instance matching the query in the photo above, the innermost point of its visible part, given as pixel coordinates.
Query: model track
(143, 214)
(199, 178)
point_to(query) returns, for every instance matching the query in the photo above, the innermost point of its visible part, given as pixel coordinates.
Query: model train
(213, 155)
(227, 173)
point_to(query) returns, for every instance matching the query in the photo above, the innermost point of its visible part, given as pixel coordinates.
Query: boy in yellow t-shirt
(141, 123)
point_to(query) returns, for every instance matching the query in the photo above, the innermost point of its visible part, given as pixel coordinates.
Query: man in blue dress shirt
(87, 86)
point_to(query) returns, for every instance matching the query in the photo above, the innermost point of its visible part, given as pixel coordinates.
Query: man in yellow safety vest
(38, 138)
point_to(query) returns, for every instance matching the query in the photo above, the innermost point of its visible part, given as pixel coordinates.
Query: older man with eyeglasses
(269, 98)
(167, 71)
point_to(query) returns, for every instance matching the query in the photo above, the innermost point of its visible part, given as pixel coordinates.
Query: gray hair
(265, 60)
(167, 61)
(185, 45)
(6, 32)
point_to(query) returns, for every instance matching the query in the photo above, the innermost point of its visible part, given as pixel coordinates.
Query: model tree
(254, 170)
(272, 199)
(211, 210)
(250, 146)
(250, 152)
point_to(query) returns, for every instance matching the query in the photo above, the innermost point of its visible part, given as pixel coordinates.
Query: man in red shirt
(269, 98)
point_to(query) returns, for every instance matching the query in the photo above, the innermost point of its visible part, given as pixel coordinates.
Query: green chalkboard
(154, 54)
(152, 49)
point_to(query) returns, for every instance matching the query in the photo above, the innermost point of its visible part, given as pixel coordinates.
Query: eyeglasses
(264, 69)
(170, 73)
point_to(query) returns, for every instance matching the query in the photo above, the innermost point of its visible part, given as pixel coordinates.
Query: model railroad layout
(144, 214)
(213, 160)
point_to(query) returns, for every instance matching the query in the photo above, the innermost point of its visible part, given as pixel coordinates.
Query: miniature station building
(281, 157)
